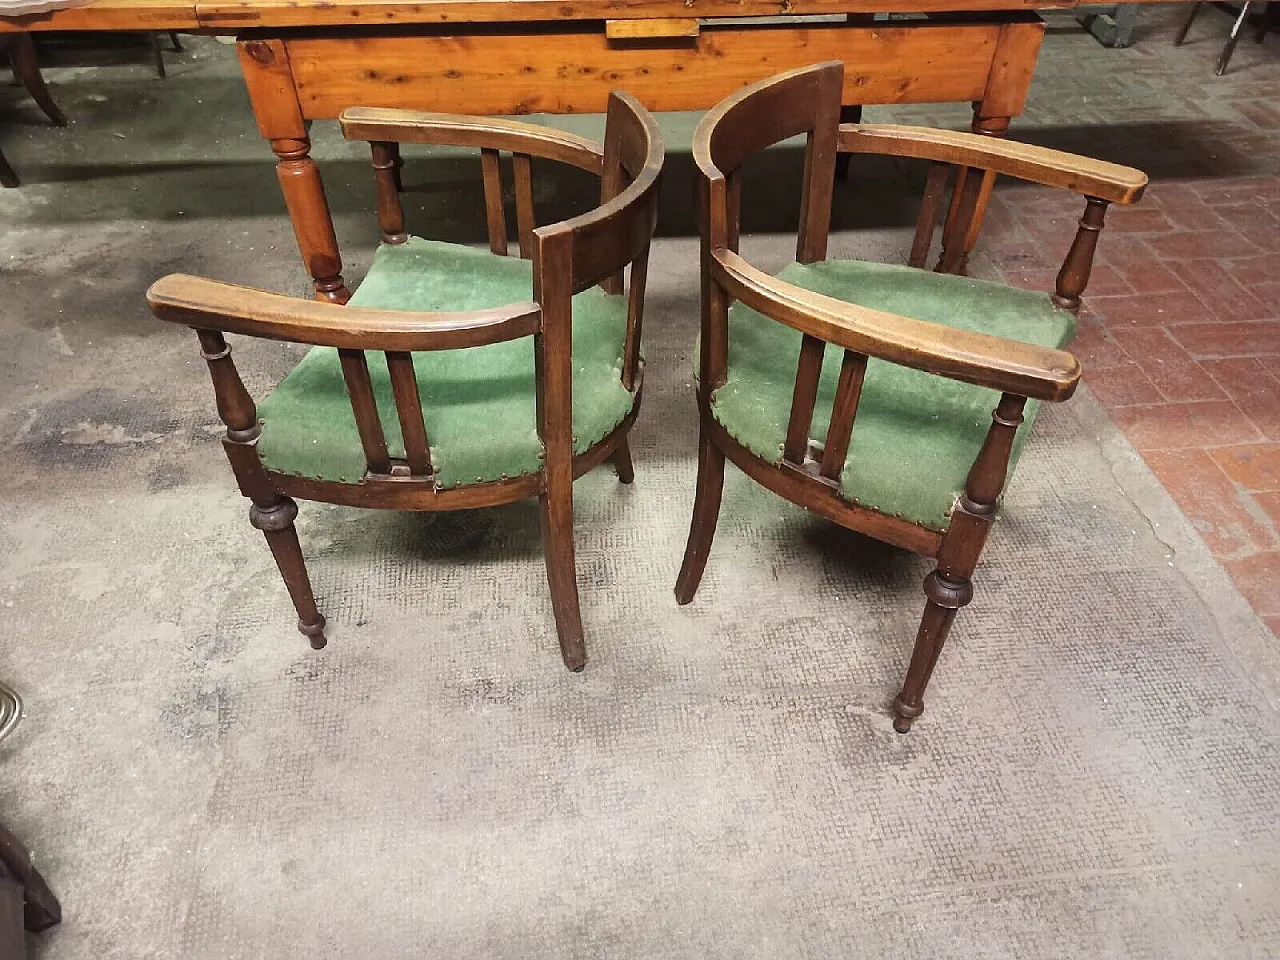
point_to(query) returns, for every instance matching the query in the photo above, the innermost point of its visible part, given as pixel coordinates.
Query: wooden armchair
(455, 377)
(862, 391)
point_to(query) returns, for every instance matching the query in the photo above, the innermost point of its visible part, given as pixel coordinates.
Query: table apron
(519, 70)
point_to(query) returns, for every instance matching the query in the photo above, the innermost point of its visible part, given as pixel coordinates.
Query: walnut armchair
(455, 377)
(864, 391)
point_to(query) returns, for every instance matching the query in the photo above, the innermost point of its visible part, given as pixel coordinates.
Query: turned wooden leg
(970, 197)
(274, 96)
(848, 114)
(706, 511)
(397, 164)
(948, 588)
(945, 596)
(275, 519)
(309, 211)
(8, 175)
(622, 462)
(22, 55)
(556, 504)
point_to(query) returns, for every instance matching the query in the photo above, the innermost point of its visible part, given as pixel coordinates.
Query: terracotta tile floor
(1180, 336)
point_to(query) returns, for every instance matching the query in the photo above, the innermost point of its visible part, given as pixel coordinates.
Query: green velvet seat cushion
(916, 434)
(478, 402)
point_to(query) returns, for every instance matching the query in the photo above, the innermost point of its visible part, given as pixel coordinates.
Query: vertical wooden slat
(404, 387)
(852, 369)
(802, 400)
(493, 210)
(713, 355)
(635, 319)
(355, 370)
(928, 218)
(613, 179)
(733, 198)
(390, 214)
(525, 220)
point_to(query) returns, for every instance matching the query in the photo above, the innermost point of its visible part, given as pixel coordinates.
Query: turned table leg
(269, 77)
(1012, 67)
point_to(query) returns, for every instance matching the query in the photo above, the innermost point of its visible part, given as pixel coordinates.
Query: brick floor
(1180, 336)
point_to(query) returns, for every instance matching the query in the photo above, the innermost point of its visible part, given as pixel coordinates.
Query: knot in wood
(947, 593)
(274, 517)
(260, 52)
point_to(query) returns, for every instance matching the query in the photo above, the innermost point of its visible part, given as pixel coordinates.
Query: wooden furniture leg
(8, 175)
(1230, 47)
(26, 902)
(556, 503)
(848, 114)
(622, 462)
(949, 587)
(13, 935)
(1186, 24)
(706, 511)
(158, 54)
(275, 106)
(22, 56)
(275, 518)
(1012, 67)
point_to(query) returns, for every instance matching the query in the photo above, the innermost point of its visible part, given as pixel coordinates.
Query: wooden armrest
(448, 129)
(1009, 366)
(1053, 168)
(210, 305)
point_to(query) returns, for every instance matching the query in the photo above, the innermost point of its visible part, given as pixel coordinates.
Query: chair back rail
(446, 129)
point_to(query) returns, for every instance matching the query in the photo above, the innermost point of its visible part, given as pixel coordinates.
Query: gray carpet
(1094, 775)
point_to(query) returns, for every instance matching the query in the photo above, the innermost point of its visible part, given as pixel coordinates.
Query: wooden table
(306, 60)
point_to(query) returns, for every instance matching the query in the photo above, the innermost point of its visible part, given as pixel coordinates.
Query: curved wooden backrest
(618, 231)
(486, 133)
(799, 101)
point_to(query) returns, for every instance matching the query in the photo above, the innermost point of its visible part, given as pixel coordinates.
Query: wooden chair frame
(568, 257)
(807, 101)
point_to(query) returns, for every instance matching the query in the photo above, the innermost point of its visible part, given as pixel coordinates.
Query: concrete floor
(1094, 775)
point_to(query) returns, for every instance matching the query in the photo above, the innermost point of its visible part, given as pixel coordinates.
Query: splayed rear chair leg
(556, 504)
(706, 511)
